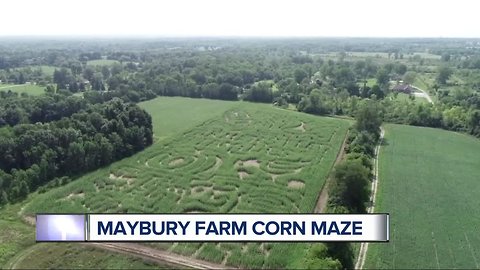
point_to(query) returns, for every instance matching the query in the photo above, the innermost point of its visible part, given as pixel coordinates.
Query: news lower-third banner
(212, 227)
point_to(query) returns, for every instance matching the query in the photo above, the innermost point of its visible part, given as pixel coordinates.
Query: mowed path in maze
(249, 159)
(429, 182)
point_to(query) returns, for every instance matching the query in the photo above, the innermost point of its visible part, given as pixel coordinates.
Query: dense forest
(58, 136)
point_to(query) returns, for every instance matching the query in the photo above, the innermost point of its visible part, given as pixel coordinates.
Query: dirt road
(11, 86)
(422, 94)
(322, 200)
(159, 256)
(364, 246)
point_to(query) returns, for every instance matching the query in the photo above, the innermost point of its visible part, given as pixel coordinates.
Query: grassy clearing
(31, 89)
(241, 161)
(428, 184)
(402, 97)
(370, 82)
(272, 84)
(102, 62)
(172, 115)
(47, 70)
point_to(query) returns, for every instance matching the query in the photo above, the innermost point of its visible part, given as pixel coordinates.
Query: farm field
(188, 113)
(30, 89)
(47, 70)
(102, 62)
(244, 158)
(428, 179)
(16, 236)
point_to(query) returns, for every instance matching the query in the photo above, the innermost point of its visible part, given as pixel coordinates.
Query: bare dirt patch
(218, 163)
(323, 196)
(200, 190)
(264, 250)
(301, 127)
(112, 176)
(296, 184)
(158, 256)
(176, 162)
(248, 163)
(75, 195)
(274, 176)
(29, 219)
(242, 175)
(129, 179)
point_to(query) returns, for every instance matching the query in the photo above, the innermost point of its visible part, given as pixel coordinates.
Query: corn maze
(250, 160)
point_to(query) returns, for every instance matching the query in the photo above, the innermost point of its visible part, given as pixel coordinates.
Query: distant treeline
(57, 136)
(316, 76)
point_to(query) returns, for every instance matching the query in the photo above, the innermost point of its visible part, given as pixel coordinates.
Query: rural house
(403, 88)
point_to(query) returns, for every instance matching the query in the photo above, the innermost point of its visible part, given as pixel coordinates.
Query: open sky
(324, 18)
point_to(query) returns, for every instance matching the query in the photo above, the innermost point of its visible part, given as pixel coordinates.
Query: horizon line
(155, 36)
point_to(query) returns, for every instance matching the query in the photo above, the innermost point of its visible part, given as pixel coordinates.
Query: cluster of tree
(329, 256)
(24, 75)
(350, 188)
(33, 154)
(45, 108)
(456, 115)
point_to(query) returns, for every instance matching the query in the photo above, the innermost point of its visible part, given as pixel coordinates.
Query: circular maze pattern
(247, 161)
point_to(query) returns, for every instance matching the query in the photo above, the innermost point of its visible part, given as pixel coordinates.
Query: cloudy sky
(344, 18)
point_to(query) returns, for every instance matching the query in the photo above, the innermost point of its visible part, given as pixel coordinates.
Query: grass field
(402, 97)
(47, 70)
(34, 90)
(73, 256)
(370, 82)
(429, 184)
(102, 62)
(188, 113)
(244, 158)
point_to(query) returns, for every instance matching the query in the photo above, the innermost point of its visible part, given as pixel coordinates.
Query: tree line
(94, 136)
(349, 191)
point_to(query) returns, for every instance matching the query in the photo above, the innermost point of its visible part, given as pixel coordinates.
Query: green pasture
(429, 184)
(31, 89)
(102, 62)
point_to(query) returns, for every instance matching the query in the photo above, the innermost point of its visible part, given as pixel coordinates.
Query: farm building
(403, 88)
